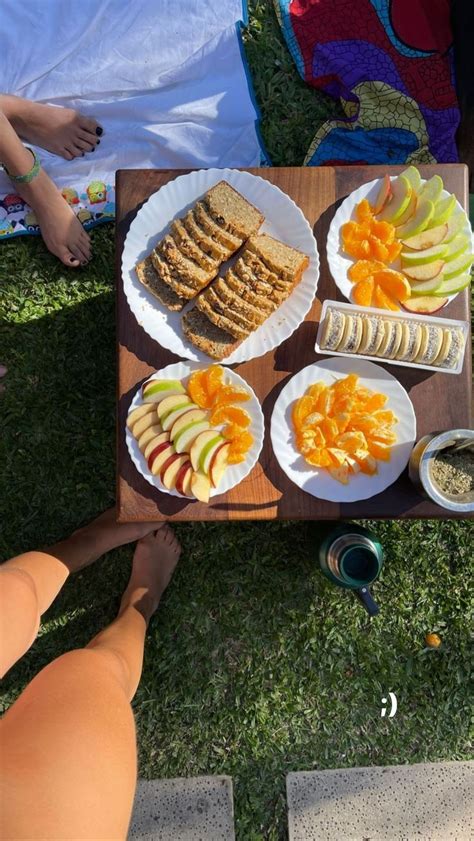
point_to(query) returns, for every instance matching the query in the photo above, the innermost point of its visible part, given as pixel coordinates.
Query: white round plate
(340, 262)
(317, 481)
(283, 220)
(235, 472)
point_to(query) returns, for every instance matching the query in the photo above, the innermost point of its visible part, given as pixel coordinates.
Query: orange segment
(197, 390)
(230, 414)
(316, 389)
(393, 283)
(363, 269)
(347, 385)
(325, 402)
(302, 408)
(378, 250)
(379, 450)
(364, 211)
(383, 301)
(385, 416)
(319, 457)
(239, 447)
(376, 401)
(230, 394)
(384, 231)
(393, 249)
(363, 291)
(213, 380)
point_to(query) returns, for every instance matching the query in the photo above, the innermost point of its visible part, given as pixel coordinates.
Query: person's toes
(86, 141)
(68, 258)
(66, 153)
(90, 125)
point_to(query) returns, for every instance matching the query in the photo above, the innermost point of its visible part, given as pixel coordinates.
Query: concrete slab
(184, 809)
(425, 802)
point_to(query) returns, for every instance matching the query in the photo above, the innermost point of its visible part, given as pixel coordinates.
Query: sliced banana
(372, 335)
(455, 349)
(333, 329)
(351, 335)
(431, 342)
(411, 341)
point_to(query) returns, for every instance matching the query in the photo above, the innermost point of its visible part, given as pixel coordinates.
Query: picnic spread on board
(225, 267)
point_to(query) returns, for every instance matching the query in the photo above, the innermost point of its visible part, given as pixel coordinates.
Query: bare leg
(61, 131)
(30, 582)
(62, 232)
(68, 744)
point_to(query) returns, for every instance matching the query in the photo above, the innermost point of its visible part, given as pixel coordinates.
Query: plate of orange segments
(343, 429)
(194, 431)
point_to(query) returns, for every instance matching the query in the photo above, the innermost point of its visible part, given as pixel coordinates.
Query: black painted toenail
(93, 149)
(99, 131)
(72, 259)
(98, 142)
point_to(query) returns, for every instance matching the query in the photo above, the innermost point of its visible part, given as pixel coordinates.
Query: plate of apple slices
(173, 443)
(432, 229)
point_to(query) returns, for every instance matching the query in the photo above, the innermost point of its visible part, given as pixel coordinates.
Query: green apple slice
(455, 284)
(169, 404)
(427, 287)
(188, 434)
(458, 266)
(421, 219)
(417, 258)
(455, 223)
(443, 210)
(170, 418)
(410, 210)
(154, 391)
(428, 238)
(427, 271)
(457, 246)
(208, 452)
(413, 176)
(432, 189)
(401, 192)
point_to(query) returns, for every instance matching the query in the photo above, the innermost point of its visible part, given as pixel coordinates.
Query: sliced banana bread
(188, 258)
(232, 211)
(169, 276)
(152, 281)
(190, 248)
(224, 302)
(286, 262)
(206, 336)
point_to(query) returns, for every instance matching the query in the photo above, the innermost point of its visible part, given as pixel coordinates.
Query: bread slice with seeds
(212, 308)
(232, 211)
(192, 274)
(247, 293)
(217, 232)
(206, 243)
(162, 292)
(206, 336)
(287, 262)
(236, 305)
(169, 276)
(190, 248)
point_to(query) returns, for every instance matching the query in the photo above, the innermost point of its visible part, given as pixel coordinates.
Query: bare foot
(103, 534)
(62, 232)
(154, 562)
(61, 131)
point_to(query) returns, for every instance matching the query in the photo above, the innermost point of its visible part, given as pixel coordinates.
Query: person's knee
(19, 615)
(95, 665)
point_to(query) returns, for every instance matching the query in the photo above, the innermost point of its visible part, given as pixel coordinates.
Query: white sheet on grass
(165, 79)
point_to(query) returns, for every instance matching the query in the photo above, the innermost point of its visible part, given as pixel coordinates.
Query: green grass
(255, 665)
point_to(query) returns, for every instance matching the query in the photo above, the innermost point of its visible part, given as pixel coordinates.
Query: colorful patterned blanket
(390, 64)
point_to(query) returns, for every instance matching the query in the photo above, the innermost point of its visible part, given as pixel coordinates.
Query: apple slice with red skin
(158, 456)
(183, 479)
(170, 470)
(219, 463)
(384, 194)
(161, 438)
(429, 304)
(427, 271)
(149, 435)
(201, 486)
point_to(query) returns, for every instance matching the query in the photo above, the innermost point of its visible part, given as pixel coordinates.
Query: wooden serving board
(441, 401)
